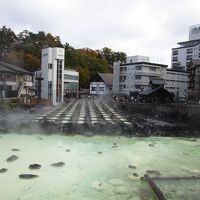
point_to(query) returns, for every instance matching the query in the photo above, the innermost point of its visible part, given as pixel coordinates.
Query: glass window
(101, 88)
(175, 59)
(189, 57)
(70, 77)
(49, 66)
(189, 50)
(138, 67)
(94, 89)
(152, 69)
(137, 76)
(175, 52)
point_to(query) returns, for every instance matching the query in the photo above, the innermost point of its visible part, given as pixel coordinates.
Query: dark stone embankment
(162, 119)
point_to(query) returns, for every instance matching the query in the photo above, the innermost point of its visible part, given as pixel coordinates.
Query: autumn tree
(84, 77)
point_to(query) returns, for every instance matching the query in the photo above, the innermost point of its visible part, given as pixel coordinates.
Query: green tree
(7, 41)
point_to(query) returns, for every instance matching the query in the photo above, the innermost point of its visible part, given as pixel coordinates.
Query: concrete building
(187, 50)
(14, 81)
(71, 83)
(177, 82)
(194, 80)
(56, 81)
(102, 85)
(136, 74)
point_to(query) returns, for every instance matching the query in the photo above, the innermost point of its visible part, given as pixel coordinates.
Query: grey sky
(144, 27)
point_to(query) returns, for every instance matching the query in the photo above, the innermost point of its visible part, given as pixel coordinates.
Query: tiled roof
(12, 68)
(107, 78)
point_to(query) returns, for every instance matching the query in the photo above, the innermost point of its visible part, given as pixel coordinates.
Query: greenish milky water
(87, 174)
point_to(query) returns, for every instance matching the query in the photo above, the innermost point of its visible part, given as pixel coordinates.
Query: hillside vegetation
(24, 49)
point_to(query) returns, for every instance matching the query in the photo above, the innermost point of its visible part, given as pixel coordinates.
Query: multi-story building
(14, 81)
(177, 82)
(71, 83)
(136, 74)
(56, 82)
(194, 80)
(102, 85)
(188, 50)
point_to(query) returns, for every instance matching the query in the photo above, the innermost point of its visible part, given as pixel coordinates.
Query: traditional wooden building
(14, 81)
(156, 92)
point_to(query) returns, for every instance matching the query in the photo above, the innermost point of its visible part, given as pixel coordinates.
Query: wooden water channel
(84, 116)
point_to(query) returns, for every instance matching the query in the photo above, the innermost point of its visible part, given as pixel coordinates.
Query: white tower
(52, 70)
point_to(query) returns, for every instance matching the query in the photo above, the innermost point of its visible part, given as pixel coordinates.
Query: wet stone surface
(28, 176)
(153, 172)
(135, 174)
(12, 158)
(3, 170)
(35, 166)
(132, 167)
(151, 145)
(58, 164)
(15, 149)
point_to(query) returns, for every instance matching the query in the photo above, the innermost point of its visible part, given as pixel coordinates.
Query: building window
(138, 67)
(138, 77)
(94, 89)
(175, 59)
(152, 69)
(189, 57)
(59, 81)
(190, 50)
(70, 77)
(49, 66)
(101, 89)
(122, 78)
(175, 52)
(49, 89)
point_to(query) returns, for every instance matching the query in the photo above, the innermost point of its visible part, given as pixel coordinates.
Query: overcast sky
(136, 27)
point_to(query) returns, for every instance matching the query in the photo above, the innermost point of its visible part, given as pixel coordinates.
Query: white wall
(177, 82)
(101, 88)
(116, 69)
(138, 58)
(50, 56)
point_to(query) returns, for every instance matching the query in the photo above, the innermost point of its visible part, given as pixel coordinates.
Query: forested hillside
(24, 49)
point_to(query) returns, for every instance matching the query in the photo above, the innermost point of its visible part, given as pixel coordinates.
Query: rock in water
(3, 170)
(153, 172)
(131, 167)
(67, 150)
(99, 152)
(12, 158)
(58, 164)
(34, 166)
(135, 174)
(15, 149)
(28, 176)
(151, 145)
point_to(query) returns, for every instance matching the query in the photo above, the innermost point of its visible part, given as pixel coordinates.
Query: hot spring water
(98, 167)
